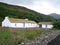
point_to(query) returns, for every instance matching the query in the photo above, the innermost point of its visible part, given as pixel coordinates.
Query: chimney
(26, 19)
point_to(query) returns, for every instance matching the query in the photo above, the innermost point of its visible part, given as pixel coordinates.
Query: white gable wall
(6, 23)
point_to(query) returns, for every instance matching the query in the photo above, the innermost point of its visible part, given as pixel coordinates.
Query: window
(15, 24)
(46, 25)
(23, 24)
(40, 25)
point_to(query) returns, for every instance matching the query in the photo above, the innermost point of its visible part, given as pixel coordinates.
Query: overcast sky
(42, 6)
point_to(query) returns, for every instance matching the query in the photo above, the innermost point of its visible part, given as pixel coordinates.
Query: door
(40, 26)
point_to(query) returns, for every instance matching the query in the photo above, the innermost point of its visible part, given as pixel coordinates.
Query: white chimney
(26, 19)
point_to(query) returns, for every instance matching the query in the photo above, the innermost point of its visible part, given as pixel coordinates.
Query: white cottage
(18, 23)
(45, 25)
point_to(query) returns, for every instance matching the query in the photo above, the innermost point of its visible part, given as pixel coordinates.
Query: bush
(57, 24)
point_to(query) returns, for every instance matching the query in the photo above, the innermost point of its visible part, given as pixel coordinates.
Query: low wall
(43, 39)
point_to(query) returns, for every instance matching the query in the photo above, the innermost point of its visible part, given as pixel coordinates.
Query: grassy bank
(10, 36)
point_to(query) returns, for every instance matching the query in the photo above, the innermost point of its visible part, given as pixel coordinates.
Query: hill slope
(22, 12)
(57, 16)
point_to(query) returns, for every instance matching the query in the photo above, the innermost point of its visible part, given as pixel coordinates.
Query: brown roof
(45, 22)
(14, 20)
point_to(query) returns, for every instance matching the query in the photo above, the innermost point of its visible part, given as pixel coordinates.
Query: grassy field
(10, 36)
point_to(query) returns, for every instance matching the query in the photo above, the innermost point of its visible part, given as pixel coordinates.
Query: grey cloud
(24, 2)
(55, 3)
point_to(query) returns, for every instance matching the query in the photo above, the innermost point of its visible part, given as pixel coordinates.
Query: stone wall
(43, 39)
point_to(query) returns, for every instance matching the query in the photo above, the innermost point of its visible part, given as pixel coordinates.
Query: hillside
(57, 16)
(22, 12)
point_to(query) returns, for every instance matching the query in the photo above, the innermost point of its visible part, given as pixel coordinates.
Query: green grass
(6, 38)
(10, 36)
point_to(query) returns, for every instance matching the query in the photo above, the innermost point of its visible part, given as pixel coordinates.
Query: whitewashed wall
(17, 25)
(48, 26)
(23, 25)
(30, 25)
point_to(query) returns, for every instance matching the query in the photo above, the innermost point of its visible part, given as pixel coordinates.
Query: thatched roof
(14, 20)
(45, 22)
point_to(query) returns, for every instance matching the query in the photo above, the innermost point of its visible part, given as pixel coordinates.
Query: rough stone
(43, 39)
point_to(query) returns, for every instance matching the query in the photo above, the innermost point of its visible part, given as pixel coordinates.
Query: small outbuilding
(45, 24)
(18, 23)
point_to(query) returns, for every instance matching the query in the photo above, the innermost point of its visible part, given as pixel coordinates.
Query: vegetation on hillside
(22, 12)
(57, 24)
(10, 36)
